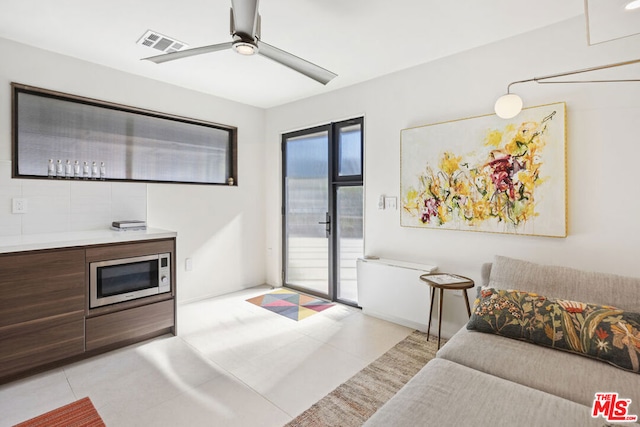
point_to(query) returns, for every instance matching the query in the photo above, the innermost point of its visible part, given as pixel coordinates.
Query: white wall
(220, 227)
(603, 149)
(58, 206)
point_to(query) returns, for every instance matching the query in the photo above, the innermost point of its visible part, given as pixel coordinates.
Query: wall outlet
(19, 206)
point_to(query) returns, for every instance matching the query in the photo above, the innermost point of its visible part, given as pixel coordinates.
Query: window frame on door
(336, 180)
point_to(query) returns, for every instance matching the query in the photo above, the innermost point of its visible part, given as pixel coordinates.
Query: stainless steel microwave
(125, 279)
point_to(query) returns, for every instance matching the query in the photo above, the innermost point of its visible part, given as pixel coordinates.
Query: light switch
(391, 203)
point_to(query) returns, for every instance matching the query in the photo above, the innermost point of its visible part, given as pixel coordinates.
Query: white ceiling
(357, 39)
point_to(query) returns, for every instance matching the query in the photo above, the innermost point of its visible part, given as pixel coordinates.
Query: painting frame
(487, 174)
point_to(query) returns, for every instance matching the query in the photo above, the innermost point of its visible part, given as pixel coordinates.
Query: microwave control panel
(164, 273)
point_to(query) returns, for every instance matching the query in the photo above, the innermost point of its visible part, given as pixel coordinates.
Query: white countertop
(31, 242)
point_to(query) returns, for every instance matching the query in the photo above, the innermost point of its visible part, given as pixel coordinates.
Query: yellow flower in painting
(443, 214)
(412, 199)
(527, 179)
(523, 139)
(510, 128)
(481, 210)
(494, 138)
(529, 212)
(461, 187)
(435, 188)
(450, 163)
(412, 194)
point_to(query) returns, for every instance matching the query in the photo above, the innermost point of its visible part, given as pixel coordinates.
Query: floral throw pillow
(598, 331)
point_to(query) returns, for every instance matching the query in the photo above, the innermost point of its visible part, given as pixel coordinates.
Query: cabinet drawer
(128, 324)
(38, 342)
(41, 284)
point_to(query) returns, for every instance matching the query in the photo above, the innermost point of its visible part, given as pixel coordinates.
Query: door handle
(327, 224)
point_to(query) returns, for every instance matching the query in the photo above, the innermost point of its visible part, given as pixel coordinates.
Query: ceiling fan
(245, 31)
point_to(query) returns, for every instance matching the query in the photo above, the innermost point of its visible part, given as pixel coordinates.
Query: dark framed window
(323, 209)
(83, 138)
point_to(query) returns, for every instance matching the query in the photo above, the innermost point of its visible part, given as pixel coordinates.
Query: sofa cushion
(444, 393)
(557, 372)
(602, 332)
(566, 283)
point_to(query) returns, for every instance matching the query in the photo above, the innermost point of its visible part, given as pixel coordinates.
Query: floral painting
(487, 174)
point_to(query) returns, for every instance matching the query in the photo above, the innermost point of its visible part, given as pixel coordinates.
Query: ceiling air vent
(161, 42)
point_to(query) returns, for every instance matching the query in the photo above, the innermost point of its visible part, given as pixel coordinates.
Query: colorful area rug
(291, 304)
(80, 413)
(356, 400)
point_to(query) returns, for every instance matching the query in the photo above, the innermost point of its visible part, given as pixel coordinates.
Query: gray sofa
(481, 379)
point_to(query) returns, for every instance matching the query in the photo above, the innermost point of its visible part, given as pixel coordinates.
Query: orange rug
(80, 413)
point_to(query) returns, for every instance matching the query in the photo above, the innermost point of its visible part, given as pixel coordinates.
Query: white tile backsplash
(49, 222)
(62, 205)
(10, 225)
(84, 222)
(45, 187)
(129, 189)
(8, 187)
(129, 201)
(91, 188)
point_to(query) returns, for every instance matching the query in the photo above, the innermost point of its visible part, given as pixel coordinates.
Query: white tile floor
(233, 364)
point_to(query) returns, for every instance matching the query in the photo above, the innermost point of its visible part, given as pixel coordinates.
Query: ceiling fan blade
(159, 59)
(300, 65)
(245, 17)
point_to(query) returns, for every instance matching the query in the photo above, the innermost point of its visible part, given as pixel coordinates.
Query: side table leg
(440, 315)
(466, 299)
(433, 294)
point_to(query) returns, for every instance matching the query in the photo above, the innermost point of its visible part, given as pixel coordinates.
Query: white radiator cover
(392, 290)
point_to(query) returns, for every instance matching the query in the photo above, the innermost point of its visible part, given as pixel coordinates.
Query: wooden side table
(444, 281)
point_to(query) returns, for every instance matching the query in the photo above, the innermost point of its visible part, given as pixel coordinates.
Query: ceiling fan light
(508, 106)
(632, 5)
(245, 48)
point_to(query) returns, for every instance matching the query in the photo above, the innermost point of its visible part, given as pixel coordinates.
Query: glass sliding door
(323, 209)
(306, 198)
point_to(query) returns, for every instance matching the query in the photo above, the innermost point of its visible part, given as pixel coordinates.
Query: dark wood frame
(21, 88)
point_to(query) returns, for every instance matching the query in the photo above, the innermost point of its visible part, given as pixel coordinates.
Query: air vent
(161, 42)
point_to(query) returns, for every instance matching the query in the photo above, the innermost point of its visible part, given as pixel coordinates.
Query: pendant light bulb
(508, 106)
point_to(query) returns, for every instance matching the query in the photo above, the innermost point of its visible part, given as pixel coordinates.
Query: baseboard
(208, 296)
(448, 329)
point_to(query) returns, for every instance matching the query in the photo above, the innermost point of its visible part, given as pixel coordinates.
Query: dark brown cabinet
(45, 318)
(42, 305)
(125, 325)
